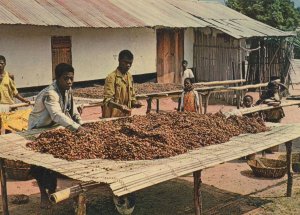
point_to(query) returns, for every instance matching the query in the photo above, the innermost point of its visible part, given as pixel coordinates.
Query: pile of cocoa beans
(145, 88)
(147, 137)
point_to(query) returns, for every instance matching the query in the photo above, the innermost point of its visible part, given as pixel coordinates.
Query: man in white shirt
(54, 106)
(187, 73)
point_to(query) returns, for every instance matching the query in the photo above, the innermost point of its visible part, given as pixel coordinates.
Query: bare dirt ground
(229, 188)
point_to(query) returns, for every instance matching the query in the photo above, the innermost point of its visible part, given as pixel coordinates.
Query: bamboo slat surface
(128, 176)
(262, 107)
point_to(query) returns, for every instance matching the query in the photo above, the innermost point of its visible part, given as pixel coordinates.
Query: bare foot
(45, 202)
(45, 205)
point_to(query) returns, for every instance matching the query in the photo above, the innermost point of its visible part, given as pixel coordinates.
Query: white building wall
(189, 46)
(28, 55)
(94, 52)
(97, 53)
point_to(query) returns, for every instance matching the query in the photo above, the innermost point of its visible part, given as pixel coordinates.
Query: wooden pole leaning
(3, 188)
(288, 146)
(81, 199)
(197, 192)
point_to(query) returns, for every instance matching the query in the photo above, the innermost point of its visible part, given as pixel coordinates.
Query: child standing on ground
(248, 101)
(189, 98)
(186, 73)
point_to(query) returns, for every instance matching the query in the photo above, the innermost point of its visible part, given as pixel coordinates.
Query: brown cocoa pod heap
(145, 88)
(147, 137)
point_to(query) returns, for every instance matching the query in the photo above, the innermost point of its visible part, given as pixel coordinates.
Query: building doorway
(61, 51)
(170, 53)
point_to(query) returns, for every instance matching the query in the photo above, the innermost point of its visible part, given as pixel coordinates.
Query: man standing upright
(119, 92)
(119, 99)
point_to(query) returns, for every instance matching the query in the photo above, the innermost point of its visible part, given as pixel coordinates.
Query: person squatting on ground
(272, 97)
(119, 92)
(8, 89)
(189, 100)
(54, 105)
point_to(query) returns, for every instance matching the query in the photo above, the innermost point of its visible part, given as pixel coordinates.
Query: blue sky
(297, 3)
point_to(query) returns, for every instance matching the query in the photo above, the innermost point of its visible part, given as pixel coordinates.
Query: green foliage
(280, 14)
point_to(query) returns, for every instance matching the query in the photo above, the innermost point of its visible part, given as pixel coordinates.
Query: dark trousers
(45, 178)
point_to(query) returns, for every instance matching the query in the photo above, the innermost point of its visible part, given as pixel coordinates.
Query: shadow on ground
(172, 197)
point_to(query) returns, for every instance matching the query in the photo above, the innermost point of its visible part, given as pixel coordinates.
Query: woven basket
(17, 170)
(274, 168)
(295, 161)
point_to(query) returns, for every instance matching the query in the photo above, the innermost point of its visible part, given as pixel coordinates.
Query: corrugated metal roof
(133, 13)
(227, 20)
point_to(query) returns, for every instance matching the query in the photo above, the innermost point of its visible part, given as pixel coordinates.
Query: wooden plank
(3, 188)
(197, 192)
(289, 168)
(263, 107)
(81, 209)
(250, 86)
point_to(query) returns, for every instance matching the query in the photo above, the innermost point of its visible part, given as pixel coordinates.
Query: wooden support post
(206, 101)
(3, 188)
(288, 146)
(197, 192)
(238, 99)
(157, 105)
(81, 207)
(243, 93)
(201, 103)
(149, 105)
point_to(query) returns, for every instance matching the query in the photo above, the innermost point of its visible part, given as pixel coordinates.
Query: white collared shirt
(188, 73)
(50, 109)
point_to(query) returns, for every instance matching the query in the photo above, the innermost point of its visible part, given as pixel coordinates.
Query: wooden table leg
(197, 192)
(3, 188)
(289, 168)
(81, 204)
(149, 105)
(200, 103)
(206, 102)
(238, 99)
(157, 105)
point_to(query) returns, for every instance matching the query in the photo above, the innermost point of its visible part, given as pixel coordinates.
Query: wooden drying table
(204, 92)
(262, 107)
(125, 177)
